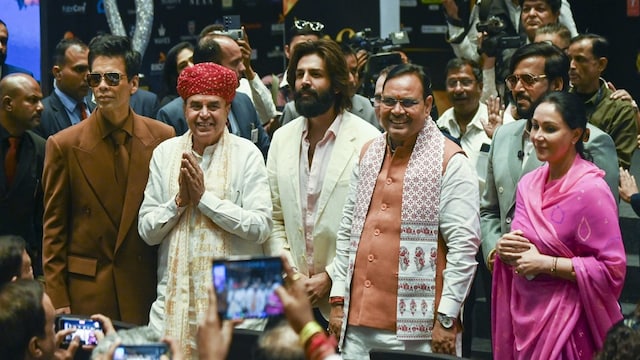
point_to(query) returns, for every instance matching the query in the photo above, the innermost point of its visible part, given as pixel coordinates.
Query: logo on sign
(74, 9)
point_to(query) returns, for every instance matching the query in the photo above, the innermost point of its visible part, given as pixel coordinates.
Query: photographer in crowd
(496, 27)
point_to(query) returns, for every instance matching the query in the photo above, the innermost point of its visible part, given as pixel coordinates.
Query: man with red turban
(207, 196)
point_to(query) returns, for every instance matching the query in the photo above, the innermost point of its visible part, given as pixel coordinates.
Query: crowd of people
(383, 211)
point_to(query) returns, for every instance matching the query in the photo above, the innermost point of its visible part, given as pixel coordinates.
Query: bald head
(231, 54)
(21, 106)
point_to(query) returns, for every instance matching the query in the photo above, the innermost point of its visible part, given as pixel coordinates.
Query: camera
(381, 54)
(497, 38)
(364, 40)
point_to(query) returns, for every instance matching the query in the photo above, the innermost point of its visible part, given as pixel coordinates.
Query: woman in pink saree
(559, 273)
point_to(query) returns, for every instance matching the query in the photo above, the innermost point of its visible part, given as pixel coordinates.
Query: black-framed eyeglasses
(313, 25)
(528, 80)
(111, 78)
(452, 83)
(375, 100)
(405, 103)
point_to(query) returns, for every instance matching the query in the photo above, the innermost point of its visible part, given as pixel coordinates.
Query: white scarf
(418, 230)
(195, 240)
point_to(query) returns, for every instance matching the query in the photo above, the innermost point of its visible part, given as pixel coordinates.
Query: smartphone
(85, 329)
(245, 287)
(142, 352)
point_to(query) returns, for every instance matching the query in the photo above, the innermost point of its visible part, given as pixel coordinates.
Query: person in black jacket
(21, 159)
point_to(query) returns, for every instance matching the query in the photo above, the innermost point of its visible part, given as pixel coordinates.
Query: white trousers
(359, 341)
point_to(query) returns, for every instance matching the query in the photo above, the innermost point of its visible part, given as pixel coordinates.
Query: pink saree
(547, 317)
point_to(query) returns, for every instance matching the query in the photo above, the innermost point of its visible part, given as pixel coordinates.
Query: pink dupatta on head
(547, 317)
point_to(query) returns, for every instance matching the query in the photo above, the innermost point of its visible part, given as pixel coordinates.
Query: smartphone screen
(141, 352)
(245, 288)
(85, 329)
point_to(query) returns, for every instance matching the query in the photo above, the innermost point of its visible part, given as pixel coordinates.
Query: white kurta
(245, 213)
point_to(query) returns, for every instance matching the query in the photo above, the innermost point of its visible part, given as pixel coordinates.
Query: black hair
(571, 109)
(294, 31)
(170, 70)
(207, 50)
(412, 69)
(11, 249)
(115, 46)
(554, 5)
(556, 64)
(61, 48)
(21, 316)
(599, 44)
(622, 341)
(335, 67)
(459, 63)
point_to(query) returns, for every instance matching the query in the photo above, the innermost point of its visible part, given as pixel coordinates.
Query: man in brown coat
(94, 178)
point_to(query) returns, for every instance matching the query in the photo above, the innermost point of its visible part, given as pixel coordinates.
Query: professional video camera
(497, 38)
(380, 53)
(374, 45)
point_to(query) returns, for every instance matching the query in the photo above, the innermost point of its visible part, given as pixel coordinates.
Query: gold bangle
(554, 268)
(310, 329)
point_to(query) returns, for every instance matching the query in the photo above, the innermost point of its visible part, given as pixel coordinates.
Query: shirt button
(383, 207)
(370, 257)
(376, 232)
(367, 283)
(389, 181)
(508, 220)
(500, 189)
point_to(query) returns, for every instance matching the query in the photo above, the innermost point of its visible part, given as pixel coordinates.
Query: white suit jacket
(283, 163)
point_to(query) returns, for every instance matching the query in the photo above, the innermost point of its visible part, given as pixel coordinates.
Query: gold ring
(295, 277)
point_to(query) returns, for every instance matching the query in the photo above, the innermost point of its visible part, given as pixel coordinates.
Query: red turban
(207, 79)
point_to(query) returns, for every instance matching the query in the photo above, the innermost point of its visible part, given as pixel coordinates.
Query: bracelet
(554, 268)
(310, 329)
(320, 347)
(336, 300)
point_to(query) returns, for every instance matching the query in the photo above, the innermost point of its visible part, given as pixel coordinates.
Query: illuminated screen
(23, 22)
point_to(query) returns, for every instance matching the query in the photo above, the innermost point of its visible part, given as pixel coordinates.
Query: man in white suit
(309, 166)
(535, 69)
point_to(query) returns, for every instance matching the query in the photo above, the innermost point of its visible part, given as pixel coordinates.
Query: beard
(316, 104)
(3, 57)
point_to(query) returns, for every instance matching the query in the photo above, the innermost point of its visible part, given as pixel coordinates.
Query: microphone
(520, 155)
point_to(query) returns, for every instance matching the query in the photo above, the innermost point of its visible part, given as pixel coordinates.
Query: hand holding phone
(86, 329)
(142, 352)
(245, 287)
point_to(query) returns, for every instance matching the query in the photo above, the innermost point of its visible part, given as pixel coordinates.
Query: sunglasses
(528, 80)
(405, 103)
(313, 25)
(111, 78)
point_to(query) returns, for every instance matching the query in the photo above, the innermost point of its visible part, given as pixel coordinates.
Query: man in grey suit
(360, 105)
(535, 69)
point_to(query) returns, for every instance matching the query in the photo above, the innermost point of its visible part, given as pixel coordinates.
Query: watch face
(445, 321)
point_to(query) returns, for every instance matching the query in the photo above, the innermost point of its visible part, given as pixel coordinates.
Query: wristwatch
(446, 321)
